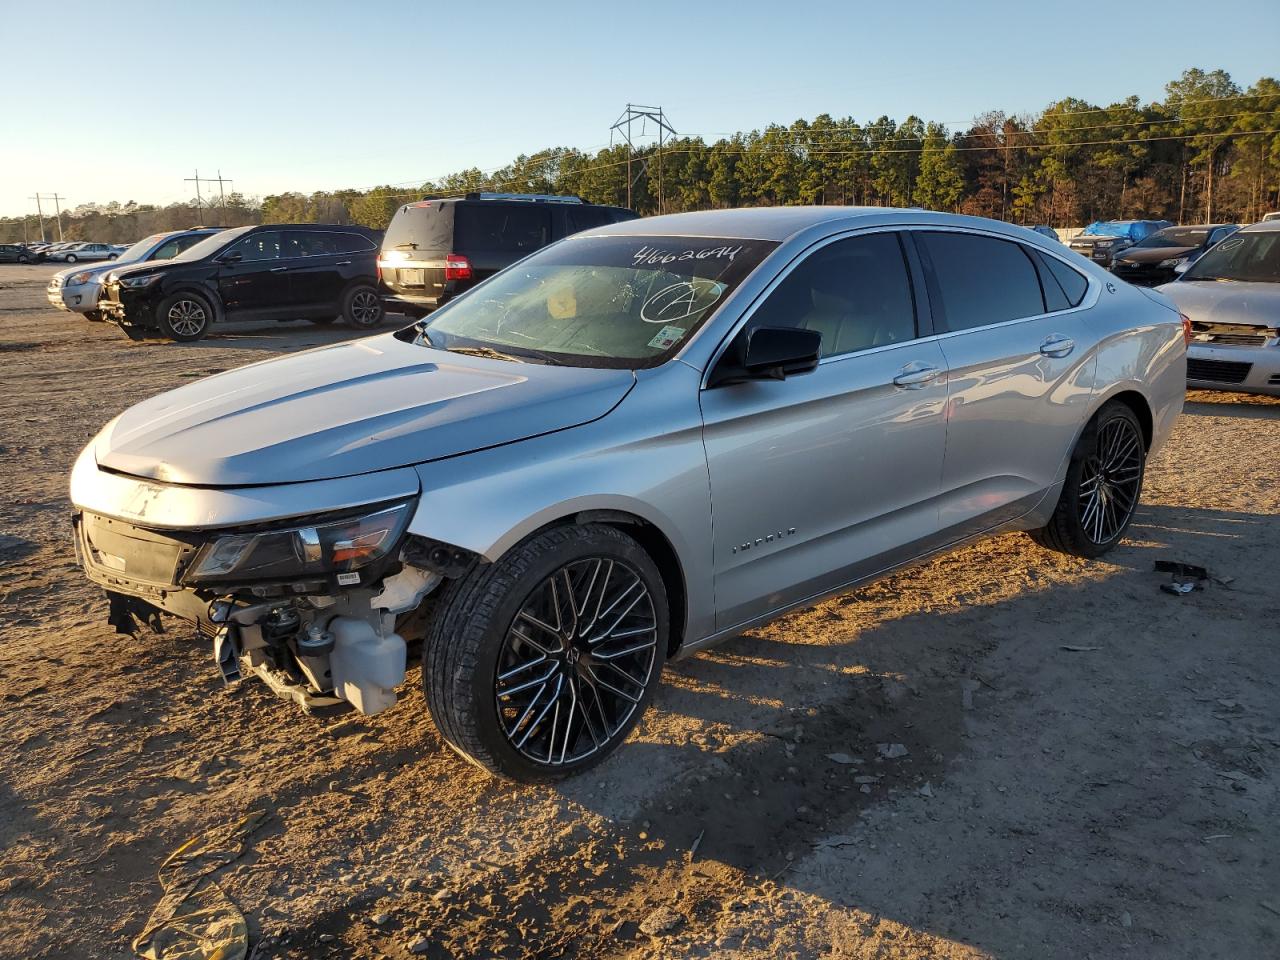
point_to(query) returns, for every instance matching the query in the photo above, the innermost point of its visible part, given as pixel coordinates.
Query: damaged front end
(317, 606)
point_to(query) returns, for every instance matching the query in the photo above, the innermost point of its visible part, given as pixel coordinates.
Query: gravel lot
(1091, 769)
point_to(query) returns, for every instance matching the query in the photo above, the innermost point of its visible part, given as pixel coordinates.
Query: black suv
(435, 249)
(17, 253)
(278, 271)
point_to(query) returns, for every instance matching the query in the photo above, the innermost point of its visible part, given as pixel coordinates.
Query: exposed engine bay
(315, 641)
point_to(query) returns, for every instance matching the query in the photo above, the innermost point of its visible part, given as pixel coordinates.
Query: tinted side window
(259, 246)
(308, 243)
(167, 250)
(585, 218)
(353, 243)
(501, 227)
(855, 292)
(188, 241)
(982, 280)
(1072, 283)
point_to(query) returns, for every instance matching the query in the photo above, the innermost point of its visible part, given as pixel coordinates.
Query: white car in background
(83, 251)
(77, 290)
(1232, 297)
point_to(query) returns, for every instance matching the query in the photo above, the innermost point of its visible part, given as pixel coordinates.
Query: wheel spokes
(576, 661)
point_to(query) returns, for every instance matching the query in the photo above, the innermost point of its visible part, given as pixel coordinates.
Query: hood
(96, 270)
(146, 266)
(1155, 254)
(348, 409)
(1226, 301)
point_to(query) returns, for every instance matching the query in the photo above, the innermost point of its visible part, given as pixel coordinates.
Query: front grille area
(1238, 339)
(1217, 371)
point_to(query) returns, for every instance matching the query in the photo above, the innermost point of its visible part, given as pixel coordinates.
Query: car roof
(782, 223)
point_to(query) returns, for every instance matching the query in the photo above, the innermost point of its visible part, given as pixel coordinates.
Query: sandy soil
(1114, 800)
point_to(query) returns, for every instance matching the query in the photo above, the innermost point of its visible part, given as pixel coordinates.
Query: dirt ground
(1092, 765)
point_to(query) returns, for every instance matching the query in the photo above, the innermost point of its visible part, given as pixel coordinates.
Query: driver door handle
(1056, 345)
(279, 269)
(343, 263)
(915, 375)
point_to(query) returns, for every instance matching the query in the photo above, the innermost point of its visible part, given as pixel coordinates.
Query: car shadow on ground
(755, 784)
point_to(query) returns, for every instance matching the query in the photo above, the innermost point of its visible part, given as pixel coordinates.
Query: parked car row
(72, 251)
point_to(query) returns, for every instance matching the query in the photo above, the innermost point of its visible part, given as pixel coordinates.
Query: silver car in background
(77, 289)
(1231, 295)
(635, 443)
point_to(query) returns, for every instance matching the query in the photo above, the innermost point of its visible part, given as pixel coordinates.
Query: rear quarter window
(501, 228)
(982, 280)
(1072, 284)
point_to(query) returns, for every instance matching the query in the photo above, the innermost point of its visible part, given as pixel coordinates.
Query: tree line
(1208, 151)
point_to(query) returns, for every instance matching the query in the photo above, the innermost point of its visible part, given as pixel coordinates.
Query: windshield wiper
(488, 352)
(410, 245)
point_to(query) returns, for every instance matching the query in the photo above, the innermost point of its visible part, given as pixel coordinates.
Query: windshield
(626, 302)
(212, 244)
(1253, 257)
(140, 249)
(1176, 237)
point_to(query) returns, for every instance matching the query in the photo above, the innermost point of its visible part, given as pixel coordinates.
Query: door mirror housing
(230, 257)
(768, 353)
(1182, 268)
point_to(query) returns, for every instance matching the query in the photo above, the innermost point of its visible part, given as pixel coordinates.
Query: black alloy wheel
(1102, 487)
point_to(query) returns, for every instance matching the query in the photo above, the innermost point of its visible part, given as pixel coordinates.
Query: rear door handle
(343, 263)
(279, 269)
(915, 375)
(1056, 345)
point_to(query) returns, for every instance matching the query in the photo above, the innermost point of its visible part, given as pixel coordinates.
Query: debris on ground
(195, 920)
(891, 751)
(1072, 648)
(663, 920)
(1183, 577)
(841, 758)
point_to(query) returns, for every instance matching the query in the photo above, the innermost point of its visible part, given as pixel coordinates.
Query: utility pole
(56, 201)
(40, 214)
(638, 112)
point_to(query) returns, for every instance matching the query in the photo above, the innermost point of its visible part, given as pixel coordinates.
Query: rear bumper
(400, 302)
(1236, 368)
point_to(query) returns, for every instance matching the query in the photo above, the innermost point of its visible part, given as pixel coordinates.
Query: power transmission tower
(222, 197)
(638, 113)
(40, 211)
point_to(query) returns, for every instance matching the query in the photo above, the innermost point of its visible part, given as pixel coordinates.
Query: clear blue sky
(122, 100)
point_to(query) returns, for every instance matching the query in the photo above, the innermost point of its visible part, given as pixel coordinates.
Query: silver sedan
(1231, 296)
(635, 443)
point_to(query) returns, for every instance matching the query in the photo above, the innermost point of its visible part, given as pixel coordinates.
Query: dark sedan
(1156, 259)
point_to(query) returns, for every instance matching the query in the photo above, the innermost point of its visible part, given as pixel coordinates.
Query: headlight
(133, 283)
(1173, 261)
(84, 276)
(339, 546)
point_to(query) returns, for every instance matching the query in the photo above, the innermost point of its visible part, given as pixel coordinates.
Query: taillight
(379, 268)
(457, 267)
(1186, 329)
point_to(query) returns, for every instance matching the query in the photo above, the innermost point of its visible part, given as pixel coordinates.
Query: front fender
(645, 459)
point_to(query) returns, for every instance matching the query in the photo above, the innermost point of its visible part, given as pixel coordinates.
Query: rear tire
(71, 258)
(1102, 488)
(185, 317)
(362, 307)
(548, 610)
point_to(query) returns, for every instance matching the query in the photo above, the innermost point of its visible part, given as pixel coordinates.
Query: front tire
(71, 258)
(362, 307)
(184, 317)
(1103, 484)
(538, 666)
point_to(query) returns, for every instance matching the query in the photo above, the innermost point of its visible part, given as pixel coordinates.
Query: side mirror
(230, 258)
(768, 353)
(1182, 268)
